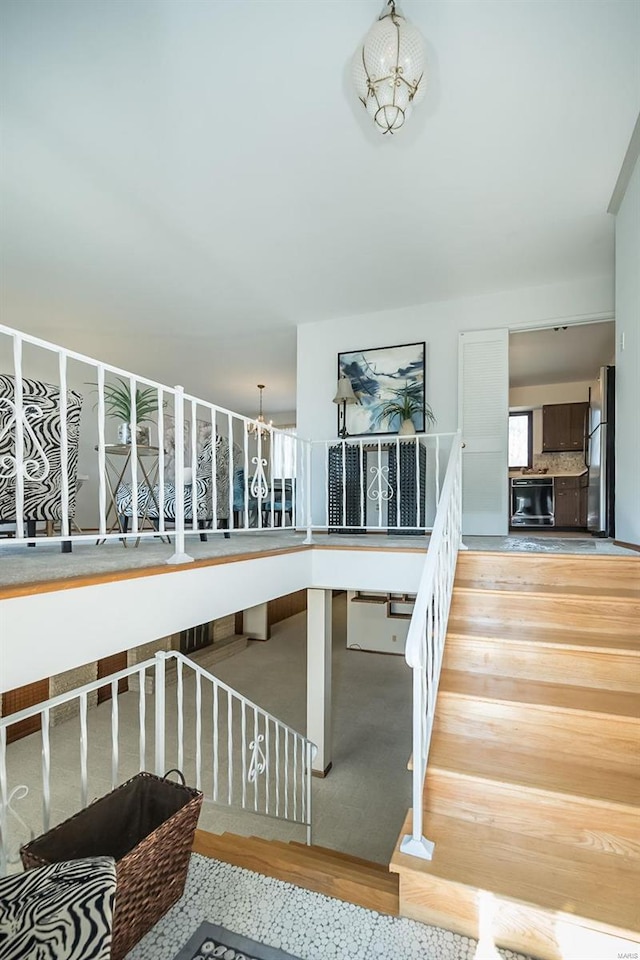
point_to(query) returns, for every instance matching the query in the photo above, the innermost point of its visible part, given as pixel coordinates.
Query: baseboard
(322, 773)
(629, 546)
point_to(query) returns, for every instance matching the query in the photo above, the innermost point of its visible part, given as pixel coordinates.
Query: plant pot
(407, 429)
(142, 434)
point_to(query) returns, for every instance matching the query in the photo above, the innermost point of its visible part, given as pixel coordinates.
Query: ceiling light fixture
(388, 69)
(260, 425)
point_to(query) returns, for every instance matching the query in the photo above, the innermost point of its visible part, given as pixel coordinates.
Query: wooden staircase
(532, 792)
(335, 874)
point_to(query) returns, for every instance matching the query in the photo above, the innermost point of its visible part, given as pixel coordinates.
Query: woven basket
(147, 826)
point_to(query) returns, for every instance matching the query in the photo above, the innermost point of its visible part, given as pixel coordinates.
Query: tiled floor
(307, 925)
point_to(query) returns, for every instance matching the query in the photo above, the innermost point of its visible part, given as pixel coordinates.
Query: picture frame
(381, 376)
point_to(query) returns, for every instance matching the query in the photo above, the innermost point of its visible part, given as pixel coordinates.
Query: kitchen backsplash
(564, 462)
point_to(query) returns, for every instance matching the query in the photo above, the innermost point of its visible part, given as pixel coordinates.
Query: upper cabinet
(564, 426)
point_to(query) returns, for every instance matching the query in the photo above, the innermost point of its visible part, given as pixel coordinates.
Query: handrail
(424, 649)
(273, 778)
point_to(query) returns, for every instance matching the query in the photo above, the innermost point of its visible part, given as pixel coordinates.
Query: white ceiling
(560, 355)
(202, 168)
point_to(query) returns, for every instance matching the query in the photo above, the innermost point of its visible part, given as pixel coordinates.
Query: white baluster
(102, 468)
(4, 839)
(134, 455)
(161, 452)
(84, 744)
(45, 729)
(215, 740)
(64, 447)
(194, 463)
(114, 734)
(268, 764)
(276, 728)
(198, 731)
(142, 720)
(286, 773)
(230, 746)
(295, 777)
(160, 707)
(180, 695)
(244, 754)
(18, 400)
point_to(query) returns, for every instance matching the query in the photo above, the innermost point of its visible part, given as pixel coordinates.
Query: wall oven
(532, 502)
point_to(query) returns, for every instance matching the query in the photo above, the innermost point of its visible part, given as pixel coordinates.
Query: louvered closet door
(483, 412)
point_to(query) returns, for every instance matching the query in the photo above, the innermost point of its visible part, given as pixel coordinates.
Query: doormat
(210, 942)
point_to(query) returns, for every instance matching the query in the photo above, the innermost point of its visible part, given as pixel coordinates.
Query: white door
(483, 417)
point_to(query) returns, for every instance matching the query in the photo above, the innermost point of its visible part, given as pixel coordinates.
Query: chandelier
(388, 69)
(259, 426)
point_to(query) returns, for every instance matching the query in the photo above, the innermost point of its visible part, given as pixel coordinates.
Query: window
(521, 439)
(284, 453)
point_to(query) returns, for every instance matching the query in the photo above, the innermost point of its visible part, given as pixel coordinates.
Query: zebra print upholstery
(148, 500)
(59, 912)
(42, 449)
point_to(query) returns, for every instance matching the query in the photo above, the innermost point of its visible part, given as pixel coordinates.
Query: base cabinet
(570, 502)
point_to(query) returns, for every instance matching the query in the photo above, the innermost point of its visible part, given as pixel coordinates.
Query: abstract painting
(379, 377)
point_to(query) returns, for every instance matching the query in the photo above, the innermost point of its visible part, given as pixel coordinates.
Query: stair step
(340, 855)
(559, 696)
(341, 877)
(599, 726)
(532, 770)
(613, 828)
(574, 608)
(544, 653)
(577, 569)
(540, 897)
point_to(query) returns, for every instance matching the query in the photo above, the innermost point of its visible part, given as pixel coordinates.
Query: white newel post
(319, 677)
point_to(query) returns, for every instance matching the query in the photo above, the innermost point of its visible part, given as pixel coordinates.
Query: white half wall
(46, 633)
(628, 363)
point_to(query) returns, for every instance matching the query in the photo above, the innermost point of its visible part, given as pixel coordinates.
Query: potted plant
(117, 397)
(404, 403)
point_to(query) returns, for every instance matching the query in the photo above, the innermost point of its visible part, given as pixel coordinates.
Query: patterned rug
(210, 942)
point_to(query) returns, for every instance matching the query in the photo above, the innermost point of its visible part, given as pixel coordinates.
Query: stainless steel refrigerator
(600, 455)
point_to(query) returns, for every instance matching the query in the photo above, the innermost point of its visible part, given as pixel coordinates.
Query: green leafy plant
(117, 398)
(404, 403)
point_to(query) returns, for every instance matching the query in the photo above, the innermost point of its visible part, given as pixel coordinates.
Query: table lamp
(344, 395)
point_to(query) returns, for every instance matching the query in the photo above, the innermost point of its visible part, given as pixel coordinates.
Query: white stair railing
(427, 632)
(236, 753)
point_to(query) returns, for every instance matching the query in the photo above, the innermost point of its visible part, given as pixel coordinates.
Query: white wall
(628, 364)
(439, 324)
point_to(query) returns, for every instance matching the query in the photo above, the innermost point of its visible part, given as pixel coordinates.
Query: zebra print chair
(42, 462)
(148, 499)
(60, 912)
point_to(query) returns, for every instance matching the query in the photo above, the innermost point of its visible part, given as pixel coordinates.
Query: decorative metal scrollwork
(258, 760)
(259, 487)
(35, 467)
(18, 793)
(376, 490)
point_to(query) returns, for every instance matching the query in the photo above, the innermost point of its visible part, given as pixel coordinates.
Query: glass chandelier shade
(388, 70)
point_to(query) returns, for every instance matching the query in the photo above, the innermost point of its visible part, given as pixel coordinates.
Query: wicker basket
(147, 826)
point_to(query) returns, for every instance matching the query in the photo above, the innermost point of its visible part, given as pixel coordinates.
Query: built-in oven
(532, 502)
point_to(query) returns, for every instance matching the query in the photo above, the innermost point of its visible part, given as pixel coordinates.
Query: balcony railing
(187, 467)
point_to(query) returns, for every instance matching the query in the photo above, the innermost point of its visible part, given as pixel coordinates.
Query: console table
(377, 472)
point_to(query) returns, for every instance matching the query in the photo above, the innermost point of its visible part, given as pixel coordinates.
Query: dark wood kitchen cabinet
(570, 502)
(564, 426)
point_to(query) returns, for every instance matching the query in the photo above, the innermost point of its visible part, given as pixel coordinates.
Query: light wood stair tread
(597, 887)
(548, 590)
(341, 855)
(471, 757)
(539, 693)
(341, 877)
(543, 636)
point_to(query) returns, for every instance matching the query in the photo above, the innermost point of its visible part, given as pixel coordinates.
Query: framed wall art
(389, 385)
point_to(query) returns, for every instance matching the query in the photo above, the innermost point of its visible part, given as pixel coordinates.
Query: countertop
(518, 475)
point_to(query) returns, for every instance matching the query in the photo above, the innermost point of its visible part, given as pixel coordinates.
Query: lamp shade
(388, 70)
(345, 392)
